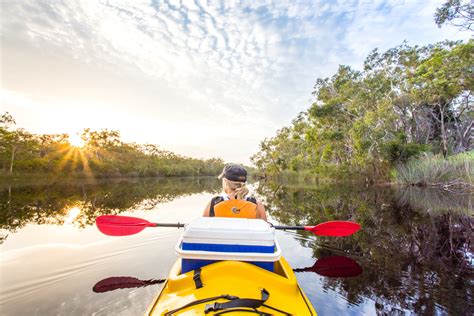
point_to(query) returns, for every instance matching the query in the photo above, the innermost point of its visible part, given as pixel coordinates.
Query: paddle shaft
(178, 225)
(289, 227)
(276, 227)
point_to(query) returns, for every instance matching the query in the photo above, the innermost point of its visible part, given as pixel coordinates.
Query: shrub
(399, 151)
(434, 169)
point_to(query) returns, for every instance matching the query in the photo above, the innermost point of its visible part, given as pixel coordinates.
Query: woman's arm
(261, 211)
(207, 210)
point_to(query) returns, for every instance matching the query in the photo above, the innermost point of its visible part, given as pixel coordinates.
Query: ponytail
(239, 188)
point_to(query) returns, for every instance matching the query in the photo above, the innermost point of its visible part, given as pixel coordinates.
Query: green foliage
(399, 151)
(103, 155)
(406, 101)
(434, 169)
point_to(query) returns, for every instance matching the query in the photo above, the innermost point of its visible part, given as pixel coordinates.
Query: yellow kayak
(232, 287)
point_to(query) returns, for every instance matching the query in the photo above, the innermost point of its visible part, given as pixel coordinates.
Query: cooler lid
(229, 230)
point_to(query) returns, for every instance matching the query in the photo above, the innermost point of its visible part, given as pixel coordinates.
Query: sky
(200, 78)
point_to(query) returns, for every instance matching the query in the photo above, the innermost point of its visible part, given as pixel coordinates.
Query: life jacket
(223, 206)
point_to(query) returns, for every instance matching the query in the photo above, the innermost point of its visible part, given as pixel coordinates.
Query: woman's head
(233, 180)
(234, 172)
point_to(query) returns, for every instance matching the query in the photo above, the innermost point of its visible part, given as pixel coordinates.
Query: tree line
(405, 101)
(103, 154)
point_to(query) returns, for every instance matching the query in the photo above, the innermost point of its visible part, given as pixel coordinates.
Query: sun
(75, 140)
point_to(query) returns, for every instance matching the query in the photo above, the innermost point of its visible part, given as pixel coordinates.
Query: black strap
(214, 201)
(201, 301)
(251, 199)
(242, 302)
(245, 310)
(197, 278)
(230, 298)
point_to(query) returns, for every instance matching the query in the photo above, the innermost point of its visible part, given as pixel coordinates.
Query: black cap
(234, 172)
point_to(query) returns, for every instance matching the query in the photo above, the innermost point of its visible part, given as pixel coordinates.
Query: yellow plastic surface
(234, 278)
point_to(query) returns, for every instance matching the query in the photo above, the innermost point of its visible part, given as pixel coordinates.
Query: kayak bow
(232, 286)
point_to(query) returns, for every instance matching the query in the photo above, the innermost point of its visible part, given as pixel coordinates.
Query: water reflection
(80, 202)
(415, 246)
(416, 250)
(72, 213)
(435, 200)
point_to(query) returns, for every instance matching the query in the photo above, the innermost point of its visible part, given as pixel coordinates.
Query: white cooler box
(211, 239)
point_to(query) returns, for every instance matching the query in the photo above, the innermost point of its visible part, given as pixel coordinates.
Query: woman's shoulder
(217, 198)
(251, 199)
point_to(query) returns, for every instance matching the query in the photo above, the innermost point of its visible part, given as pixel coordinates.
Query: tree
(457, 13)
(441, 78)
(14, 143)
(104, 155)
(405, 101)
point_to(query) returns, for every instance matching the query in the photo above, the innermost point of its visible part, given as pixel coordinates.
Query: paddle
(114, 225)
(331, 228)
(335, 267)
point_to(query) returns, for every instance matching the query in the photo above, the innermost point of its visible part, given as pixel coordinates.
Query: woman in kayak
(235, 202)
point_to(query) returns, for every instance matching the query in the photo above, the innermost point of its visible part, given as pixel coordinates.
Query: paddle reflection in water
(334, 267)
(122, 282)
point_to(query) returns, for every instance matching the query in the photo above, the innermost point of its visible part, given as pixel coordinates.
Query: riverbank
(455, 172)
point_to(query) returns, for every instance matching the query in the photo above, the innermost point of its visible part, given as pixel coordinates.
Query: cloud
(246, 64)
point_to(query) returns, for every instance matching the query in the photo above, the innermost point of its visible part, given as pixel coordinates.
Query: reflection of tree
(436, 200)
(50, 204)
(415, 256)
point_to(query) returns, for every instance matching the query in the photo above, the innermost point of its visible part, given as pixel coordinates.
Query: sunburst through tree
(76, 153)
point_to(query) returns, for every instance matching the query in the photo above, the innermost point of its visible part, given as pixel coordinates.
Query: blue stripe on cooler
(193, 264)
(228, 248)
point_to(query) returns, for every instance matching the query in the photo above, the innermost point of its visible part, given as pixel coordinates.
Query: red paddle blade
(334, 228)
(114, 225)
(337, 267)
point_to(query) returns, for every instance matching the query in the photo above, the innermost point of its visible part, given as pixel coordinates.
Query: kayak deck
(233, 278)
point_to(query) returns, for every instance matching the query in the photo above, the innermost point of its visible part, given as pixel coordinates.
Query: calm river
(415, 247)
